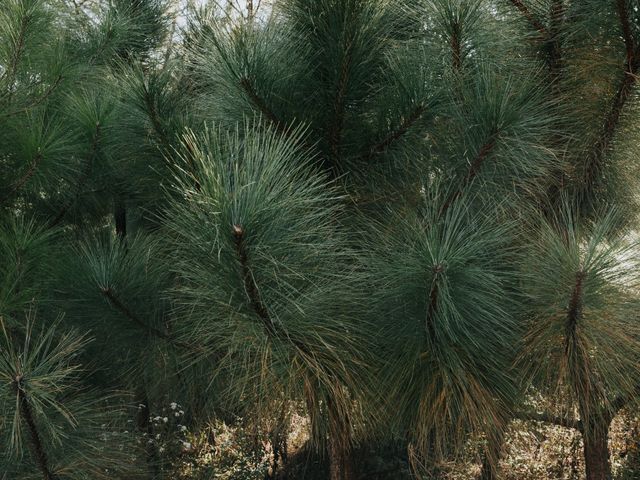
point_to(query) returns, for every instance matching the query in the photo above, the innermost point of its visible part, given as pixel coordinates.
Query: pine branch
(250, 11)
(26, 414)
(612, 120)
(115, 301)
(261, 105)
(38, 100)
(337, 124)
(253, 294)
(403, 129)
(623, 14)
(549, 418)
(611, 123)
(83, 177)
(24, 179)
(154, 117)
(574, 312)
(122, 308)
(473, 171)
(250, 286)
(433, 302)
(555, 58)
(529, 16)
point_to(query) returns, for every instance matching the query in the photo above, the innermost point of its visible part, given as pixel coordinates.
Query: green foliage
(264, 274)
(45, 411)
(26, 252)
(581, 284)
(397, 219)
(445, 300)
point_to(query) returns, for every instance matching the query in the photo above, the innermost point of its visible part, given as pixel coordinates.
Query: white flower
(183, 428)
(174, 405)
(176, 414)
(161, 449)
(157, 436)
(165, 419)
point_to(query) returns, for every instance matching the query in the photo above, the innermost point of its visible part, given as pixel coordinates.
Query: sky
(240, 5)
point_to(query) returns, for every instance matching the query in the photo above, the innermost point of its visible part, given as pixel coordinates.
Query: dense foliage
(406, 224)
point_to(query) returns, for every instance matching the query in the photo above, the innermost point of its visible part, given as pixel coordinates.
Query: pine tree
(397, 217)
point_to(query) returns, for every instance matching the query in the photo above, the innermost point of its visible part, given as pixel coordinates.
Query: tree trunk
(146, 426)
(340, 466)
(492, 455)
(340, 461)
(596, 453)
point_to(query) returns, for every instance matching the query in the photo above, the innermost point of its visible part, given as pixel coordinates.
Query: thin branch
(473, 171)
(250, 11)
(433, 302)
(250, 286)
(394, 136)
(612, 120)
(549, 418)
(115, 301)
(253, 294)
(154, 117)
(24, 179)
(574, 312)
(261, 105)
(337, 124)
(555, 56)
(529, 16)
(26, 414)
(38, 100)
(623, 14)
(111, 296)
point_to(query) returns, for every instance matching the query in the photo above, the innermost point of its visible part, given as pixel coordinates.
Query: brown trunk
(340, 461)
(146, 426)
(340, 467)
(596, 454)
(492, 456)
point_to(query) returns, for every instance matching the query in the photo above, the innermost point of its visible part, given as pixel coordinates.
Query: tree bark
(340, 461)
(340, 466)
(146, 426)
(596, 453)
(492, 455)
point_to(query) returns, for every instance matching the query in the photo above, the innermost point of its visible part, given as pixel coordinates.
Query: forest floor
(532, 451)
